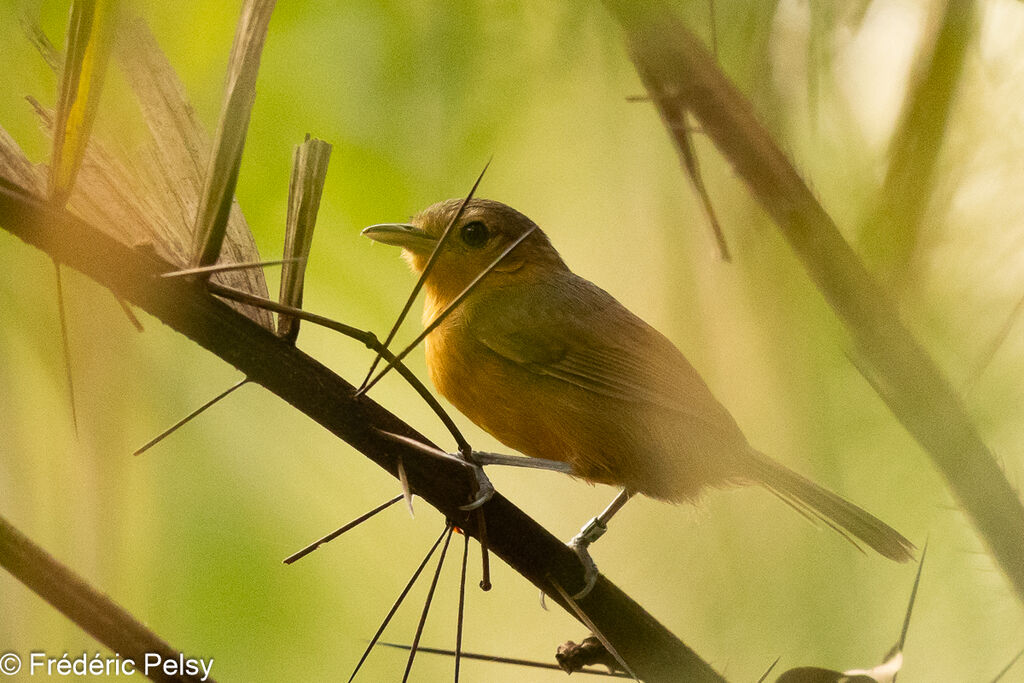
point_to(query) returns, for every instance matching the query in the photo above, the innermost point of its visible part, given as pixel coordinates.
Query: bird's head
(483, 232)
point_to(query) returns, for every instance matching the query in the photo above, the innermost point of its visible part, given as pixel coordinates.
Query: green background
(416, 97)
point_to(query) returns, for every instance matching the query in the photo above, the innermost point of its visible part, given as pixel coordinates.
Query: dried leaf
(309, 168)
(240, 92)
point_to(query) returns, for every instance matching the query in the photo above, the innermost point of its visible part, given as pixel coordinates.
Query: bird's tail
(841, 515)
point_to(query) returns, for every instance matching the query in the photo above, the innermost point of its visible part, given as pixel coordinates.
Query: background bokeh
(416, 96)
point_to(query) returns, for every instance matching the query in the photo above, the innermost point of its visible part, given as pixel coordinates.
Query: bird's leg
(477, 460)
(485, 458)
(591, 531)
(484, 487)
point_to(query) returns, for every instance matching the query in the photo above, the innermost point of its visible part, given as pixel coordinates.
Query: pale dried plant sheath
(147, 199)
(179, 156)
(239, 94)
(309, 169)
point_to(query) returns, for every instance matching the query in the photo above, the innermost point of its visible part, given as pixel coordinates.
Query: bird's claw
(580, 545)
(484, 488)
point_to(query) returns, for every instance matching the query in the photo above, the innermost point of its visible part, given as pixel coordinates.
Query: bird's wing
(578, 333)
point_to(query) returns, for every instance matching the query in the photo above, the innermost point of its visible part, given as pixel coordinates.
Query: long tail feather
(838, 513)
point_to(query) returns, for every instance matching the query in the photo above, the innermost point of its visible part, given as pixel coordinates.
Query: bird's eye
(474, 234)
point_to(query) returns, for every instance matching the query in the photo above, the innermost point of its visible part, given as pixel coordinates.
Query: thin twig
(315, 545)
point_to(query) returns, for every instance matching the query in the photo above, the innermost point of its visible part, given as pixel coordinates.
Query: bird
(556, 368)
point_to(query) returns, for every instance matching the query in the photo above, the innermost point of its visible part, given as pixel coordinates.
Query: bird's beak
(402, 235)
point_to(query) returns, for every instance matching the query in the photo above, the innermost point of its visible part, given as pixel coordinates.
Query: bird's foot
(484, 488)
(580, 545)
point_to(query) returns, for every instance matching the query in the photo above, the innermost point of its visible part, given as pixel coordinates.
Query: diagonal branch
(675, 65)
(94, 612)
(186, 306)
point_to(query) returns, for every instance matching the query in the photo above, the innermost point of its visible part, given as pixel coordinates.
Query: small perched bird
(556, 368)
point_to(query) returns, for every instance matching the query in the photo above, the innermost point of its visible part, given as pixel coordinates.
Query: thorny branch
(185, 305)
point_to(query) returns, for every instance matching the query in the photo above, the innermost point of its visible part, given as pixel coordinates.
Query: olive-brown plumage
(556, 368)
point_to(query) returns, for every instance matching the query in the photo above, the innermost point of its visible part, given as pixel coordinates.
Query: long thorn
(688, 157)
(460, 620)
(425, 449)
(999, 675)
(195, 413)
(426, 604)
(898, 648)
(403, 479)
(993, 347)
(913, 598)
(582, 616)
(448, 309)
(423, 275)
(767, 671)
(485, 580)
(366, 338)
(334, 534)
(398, 603)
(130, 314)
(485, 554)
(714, 34)
(226, 267)
(505, 660)
(66, 346)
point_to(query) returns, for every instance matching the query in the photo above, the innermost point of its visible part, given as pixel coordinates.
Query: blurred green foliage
(415, 97)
